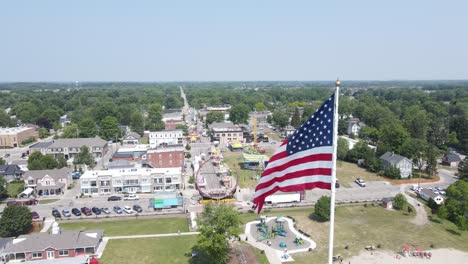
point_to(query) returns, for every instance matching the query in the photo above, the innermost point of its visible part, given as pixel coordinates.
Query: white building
(130, 180)
(166, 137)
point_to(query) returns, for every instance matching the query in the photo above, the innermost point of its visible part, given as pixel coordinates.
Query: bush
(322, 209)
(392, 172)
(191, 180)
(400, 202)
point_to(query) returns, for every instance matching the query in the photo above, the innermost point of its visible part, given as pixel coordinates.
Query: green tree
(5, 120)
(415, 149)
(393, 135)
(400, 202)
(214, 117)
(431, 154)
(85, 157)
(43, 133)
(392, 172)
(360, 151)
(217, 224)
(369, 133)
(416, 121)
(155, 115)
(342, 127)
(34, 161)
(3, 189)
(2, 161)
(62, 162)
(260, 106)
(49, 162)
(70, 131)
(137, 123)
(442, 213)
(281, 119)
(239, 114)
(322, 209)
(109, 128)
(15, 221)
(87, 128)
(184, 129)
(296, 118)
(343, 148)
(463, 169)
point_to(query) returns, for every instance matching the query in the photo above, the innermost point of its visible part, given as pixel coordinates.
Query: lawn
(48, 201)
(148, 250)
(132, 227)
(347, 172)
(14, 188)
(359, 226)
(246, 177)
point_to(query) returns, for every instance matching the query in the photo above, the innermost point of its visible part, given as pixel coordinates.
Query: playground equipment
(298, 241)
(263, 228)
(279, 230)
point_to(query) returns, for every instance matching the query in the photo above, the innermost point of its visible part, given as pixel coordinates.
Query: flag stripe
(296, 174)
(298, 161)
(298, 155)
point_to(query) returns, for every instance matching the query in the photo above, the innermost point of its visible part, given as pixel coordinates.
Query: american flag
(304, 160)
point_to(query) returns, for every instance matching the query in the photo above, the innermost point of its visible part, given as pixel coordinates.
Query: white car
(131, 197)
(360, 182)
(127, 209)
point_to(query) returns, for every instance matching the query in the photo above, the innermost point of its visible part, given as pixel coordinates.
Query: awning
(26, 192)
(236, 144)
(254, 158)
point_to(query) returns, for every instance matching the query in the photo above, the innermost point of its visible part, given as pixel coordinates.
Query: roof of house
(41, 145)
(120, 164)
(393, 158)
(429, 193)
(66, 239)
(387, 199)
(132, 134)
(225, 126)
(451, 157)
(10, 170)
(20, 162)
(78, 142)
(5, 242)
(55, 174)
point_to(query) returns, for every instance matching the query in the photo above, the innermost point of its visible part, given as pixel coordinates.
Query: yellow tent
(193, 139)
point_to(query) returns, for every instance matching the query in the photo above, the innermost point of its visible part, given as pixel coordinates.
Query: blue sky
(232, 40)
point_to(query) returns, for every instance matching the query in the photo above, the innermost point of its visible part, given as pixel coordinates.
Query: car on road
(137, 208)
(117, 209)
(56, 213)
(96, 210)
(114, 198)
(360, 182)
(86, 211)
(105, 210)
(34, 215)
(127, 209)
(76, 211)
(66, 213)
(131, 197)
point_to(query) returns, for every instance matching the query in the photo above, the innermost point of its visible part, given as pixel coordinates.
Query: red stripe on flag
(296, 174)
(311, 158)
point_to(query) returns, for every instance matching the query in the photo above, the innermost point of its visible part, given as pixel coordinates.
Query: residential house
(64, 121)
(427, 194)
(354, 126)
(22, 164)
(404, 164)
(166, 157)
(226, 132)
(48, 182)
(451, 159)
(55, 245)
(10, 172)
(166, 137)
(130, 180)
(70, 147)
(41, 147)
(131, 138)
(12, 137)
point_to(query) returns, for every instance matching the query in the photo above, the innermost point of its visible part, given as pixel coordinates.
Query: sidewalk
(47, 224)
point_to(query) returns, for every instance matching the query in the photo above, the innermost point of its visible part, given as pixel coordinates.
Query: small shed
(387, 202)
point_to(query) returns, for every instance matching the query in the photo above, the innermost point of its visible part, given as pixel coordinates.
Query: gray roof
(78, 142)
(4, 242)
(6, 170)
(20, 162)
(451, 157)
(55, 174)
(132, 134)
(64, 240)
(392, 158)
(41, 145)
(120, 164)
(429, 193)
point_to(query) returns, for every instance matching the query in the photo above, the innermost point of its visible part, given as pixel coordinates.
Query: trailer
(281, 197)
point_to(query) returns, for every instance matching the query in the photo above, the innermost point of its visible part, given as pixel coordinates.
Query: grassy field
(246, 177)
(48, 201)
(132, 227)
(347, 172)
(359, 226)
(15, 188)
(149, 250)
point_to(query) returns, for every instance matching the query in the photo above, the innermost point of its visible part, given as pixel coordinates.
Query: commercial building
(166, 157)
(12, 137)
(70, 147)
(226, 132)
(130, 180)
(166, 137)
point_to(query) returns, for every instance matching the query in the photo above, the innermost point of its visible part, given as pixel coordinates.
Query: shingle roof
(429, 193)
(10, 170)
(40, 145)
(78, 142)
(132, 134)
(64, 240)
(451, 157)
(393, 158)
(55, 174)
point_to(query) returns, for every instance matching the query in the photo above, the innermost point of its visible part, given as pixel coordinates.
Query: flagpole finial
(337, 83)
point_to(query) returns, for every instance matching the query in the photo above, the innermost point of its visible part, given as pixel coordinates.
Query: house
(48, 182)
(4, 242)
(166, 137)
(226, 132)
(41, 147)
(22, 164)
(10, 172)
(451, 159)
(387, 202)
(427, 194)
(12, 137)
(130, 180)
(55, 245)
(70, 147)
(404, 164)
(64, 121)
(131, 138)
(354, 126)
(166, 157)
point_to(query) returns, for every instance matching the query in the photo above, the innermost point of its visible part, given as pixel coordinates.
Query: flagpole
(333, 181)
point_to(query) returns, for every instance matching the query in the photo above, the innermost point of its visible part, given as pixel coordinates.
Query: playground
(278, 234)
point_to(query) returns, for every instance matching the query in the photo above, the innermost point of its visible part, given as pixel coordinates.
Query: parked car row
(95, 210)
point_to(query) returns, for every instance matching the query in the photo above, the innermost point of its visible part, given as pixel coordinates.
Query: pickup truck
(360, 182)
(131, 197)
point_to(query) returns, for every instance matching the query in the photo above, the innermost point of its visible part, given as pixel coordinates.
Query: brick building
(12, 137)
(167, 157)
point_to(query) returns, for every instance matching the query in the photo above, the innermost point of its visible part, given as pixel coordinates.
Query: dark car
(137, 208)
(86, 211)
(96, 210)
(56, 213)
(34, 215)
(114, 198)
(76, 212)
